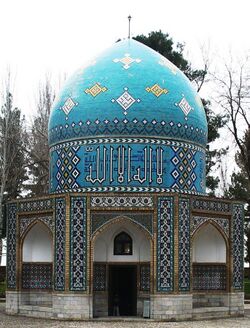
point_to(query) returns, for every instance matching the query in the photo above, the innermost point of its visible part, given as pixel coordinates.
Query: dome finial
(129, 19)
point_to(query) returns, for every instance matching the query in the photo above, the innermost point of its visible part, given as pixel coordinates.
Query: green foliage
(2, 289)
(247, 286)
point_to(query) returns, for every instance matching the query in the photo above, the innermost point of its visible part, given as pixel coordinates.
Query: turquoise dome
(128, 90)
(128, 121)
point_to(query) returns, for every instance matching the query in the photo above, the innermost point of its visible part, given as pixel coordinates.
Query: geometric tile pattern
(211, 205)
(60, 239)
(24, 223)
(127, 61)
(141, 140)
(95, 90)
(99, 278)
(165, 244)
(197, 221)
(125, 100)
(78, 244)
(144, 220)
(184, 245)
(209, 277)
(68, 105)
(184, 106)
(37, 276)
(119, 201)
(126, 164)
(11, 245)
(237, 235)
(66, 166)
(156, 90)
(184, 171)
(36, 205)
(134, 126)
(145, 277)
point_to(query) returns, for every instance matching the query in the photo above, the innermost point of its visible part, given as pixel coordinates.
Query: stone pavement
(7, 321)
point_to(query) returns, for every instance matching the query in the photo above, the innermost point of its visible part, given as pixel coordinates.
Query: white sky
(58, 36)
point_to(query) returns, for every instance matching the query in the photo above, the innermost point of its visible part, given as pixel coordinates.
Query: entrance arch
(121, 280)
(37, 258)
(209, 257)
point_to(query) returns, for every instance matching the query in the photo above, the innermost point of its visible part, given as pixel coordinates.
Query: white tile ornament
(127, 60)
(121, 201)
(184, 106)
(125, 100)
(68, 105)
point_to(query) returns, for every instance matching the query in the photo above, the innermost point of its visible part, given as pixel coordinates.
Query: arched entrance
(37, 265)
(121, 269)
(210, 267)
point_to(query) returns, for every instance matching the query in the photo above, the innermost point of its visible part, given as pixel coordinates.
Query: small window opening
(123, 244)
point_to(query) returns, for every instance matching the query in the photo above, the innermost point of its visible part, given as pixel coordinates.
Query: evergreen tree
(163, 44)
(39, 149)
(13, 159)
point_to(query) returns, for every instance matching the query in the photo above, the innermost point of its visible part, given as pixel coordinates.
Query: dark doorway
(122, 290)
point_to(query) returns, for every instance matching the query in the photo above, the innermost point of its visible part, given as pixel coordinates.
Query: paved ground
(7, 321)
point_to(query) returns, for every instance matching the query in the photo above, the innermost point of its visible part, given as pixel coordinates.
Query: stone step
(210, 312)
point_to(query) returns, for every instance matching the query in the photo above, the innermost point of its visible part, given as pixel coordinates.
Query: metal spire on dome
(129, 19)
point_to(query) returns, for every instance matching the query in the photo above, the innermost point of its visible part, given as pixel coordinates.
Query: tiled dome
(129, 121)
(129, 90)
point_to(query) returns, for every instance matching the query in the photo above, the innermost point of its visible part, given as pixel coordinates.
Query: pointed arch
(118, 219)
(37, 243)
(209, 244)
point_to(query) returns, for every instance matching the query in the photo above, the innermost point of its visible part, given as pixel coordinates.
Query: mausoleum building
(127, 228)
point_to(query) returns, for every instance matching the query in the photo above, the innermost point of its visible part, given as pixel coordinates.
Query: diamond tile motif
(184, 106)
(11, 245)
(125, 101)
(184, 172)
(127, 60)
(60, 239)
(68, 105)
(184, 245)
(156, 90)
(67, 170)
(95, 90)
(78, 244)
(237, 245)
(165, 244)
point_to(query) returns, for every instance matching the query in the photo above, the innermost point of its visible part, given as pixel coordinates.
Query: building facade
(127, 225)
